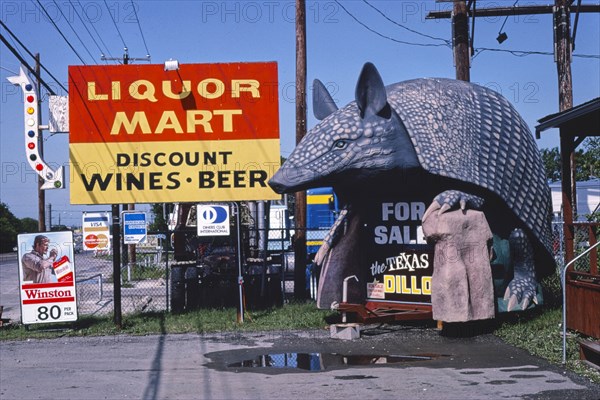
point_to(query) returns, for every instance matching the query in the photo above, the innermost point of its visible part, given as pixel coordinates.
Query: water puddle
(323, 361)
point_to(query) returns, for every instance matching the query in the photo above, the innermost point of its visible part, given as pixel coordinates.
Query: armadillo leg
(522, 289)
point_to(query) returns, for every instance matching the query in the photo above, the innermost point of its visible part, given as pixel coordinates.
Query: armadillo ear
(371, 96)
(323, 104)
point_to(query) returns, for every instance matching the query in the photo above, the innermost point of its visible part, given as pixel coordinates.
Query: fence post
(116, 245)
(167, 283)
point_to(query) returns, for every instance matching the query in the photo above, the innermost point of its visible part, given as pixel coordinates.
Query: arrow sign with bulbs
(53, 179)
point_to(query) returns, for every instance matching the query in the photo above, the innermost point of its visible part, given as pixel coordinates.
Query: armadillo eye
(340, 144)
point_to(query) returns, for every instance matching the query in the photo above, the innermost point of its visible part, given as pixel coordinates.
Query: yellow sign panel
(172, 172)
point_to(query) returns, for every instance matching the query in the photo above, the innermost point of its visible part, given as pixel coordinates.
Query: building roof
(583, 119)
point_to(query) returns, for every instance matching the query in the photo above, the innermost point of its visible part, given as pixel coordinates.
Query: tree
(587, 161)
(59, 228)
(29, 225)
(9, 228)
(160, 222)
(590, 163)
(551, 161)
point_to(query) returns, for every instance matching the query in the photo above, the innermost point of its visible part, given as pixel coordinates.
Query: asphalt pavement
(390, 362)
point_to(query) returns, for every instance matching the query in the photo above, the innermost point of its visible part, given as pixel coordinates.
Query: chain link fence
(584, 235)
(146, 283)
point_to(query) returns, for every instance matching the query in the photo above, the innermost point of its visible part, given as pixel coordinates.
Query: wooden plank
(381, 312)
(589, 351)
(583, 308)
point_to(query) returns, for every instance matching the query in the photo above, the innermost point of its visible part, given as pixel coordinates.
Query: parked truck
(322, 210)
(206, 269)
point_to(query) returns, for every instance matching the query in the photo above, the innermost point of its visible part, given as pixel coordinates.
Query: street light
(502, 36)
(171, 65)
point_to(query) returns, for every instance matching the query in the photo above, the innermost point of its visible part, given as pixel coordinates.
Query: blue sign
(134, 227)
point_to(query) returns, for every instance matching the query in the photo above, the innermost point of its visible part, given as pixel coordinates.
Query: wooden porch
(582, 281)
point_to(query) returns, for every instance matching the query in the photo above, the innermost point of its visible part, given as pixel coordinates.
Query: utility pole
(562, 53)
(116, 247)
(40, 144)
(460, 41)
(49, 217)
(116, 225)
(300, 207)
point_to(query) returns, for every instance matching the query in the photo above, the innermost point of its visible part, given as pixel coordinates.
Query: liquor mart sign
(47, 277)
(140, 134)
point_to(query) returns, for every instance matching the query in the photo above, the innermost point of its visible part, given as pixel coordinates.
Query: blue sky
(230, 31)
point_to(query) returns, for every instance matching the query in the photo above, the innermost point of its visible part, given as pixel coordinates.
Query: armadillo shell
(470, 133)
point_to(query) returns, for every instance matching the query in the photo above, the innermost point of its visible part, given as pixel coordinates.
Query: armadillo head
(350, 144)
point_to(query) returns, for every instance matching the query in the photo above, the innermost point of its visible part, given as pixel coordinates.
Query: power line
(139, 26)
(523, 53)
(115, 23)
(506, 19)
(518, 53)
(74, 31)
(12, 39)
(521, 10)
(448, 42)
(385, 36)
(42, 8)
(25, 63)
(86, 28)
(8, 70)
(93, 27)
(33, 56)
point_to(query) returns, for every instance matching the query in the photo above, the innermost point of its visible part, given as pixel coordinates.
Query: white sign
(96, 231)
(59, 114)
(47, 277)
(53, 179)
(134, 227)
(213, 220)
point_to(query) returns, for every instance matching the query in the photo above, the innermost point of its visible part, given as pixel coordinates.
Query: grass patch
(289, 317)
(540, 333)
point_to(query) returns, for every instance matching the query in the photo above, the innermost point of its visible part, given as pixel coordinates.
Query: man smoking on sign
(36, 268)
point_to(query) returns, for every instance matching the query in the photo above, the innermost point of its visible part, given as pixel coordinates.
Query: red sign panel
(200, 133)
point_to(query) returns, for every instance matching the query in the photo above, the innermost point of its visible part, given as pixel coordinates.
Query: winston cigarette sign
(205, 132)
